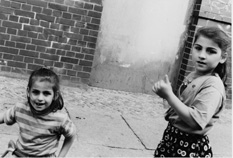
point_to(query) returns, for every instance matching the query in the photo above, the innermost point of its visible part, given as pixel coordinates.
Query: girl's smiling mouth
(201, 63)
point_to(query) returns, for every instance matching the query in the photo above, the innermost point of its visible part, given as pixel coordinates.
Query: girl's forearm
(66, 146)
(1, 118)
(182, 110)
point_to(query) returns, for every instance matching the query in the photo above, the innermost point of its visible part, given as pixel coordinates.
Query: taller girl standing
(200, 98)
(41, 120)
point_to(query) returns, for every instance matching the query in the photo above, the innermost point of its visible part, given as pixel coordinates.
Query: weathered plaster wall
(138, 42)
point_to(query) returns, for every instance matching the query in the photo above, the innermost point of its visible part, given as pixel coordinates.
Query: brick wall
(60, 34)
(207, 13)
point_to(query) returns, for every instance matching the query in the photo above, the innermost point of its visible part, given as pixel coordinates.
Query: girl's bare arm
(66, 146)
(1, 118)
(164, 90)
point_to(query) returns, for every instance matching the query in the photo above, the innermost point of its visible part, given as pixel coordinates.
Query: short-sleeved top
(205, 95)
(39, 135)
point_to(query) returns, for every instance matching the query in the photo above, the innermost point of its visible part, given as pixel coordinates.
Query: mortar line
(134, 132)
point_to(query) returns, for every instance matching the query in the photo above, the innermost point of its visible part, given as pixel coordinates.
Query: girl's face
(206, 55)
(41, 95)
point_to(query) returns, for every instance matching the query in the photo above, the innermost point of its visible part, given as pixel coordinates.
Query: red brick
(6, 68)
(94, 14)
(36, 9)
(76, 49)
(70, 54)
(69, 60)
(48, 63)
(2, 29)
(41, 42)
(83, 75)
(32, 34)
(40, 48)
(89, 57)
(26, 7)
(84, 31)
(88, 51)
(65, 21)
(24, 13)
(22, 33)
(34, 22)
(88, 6)
(98, 8)
(51, 51)
(20, 45)
(96, 1)
(16, 64)
(13, 18)
(54, 32)
(8, 56)
(18, 58)
(87, 69)
(79, 55)
(3, 16)
(21, 39)
(77, 17)
(33, 66)
(71, 73)
(66, 15)
(57, 7)
(47, 11)
(90, 39)
(92, 27)
(68, 66)
(30, 47)
(32, 28)
(45, 17)
(29, 53)
(5, 3)
(72, 42)
(9, 50)
(39, 61)
(91, 45)
(85, 63)
(10, 44)
(77, 11)
(58, 64)
(15, 5)
(37, 3)
(11, 31)
(49, 56)
(73, 36)
(61, 52)
(11, 24)
(6, 10)
(24, 20)
(79, 4)
(28, 60)
(57, 13)
(4, 36)
(21, 1)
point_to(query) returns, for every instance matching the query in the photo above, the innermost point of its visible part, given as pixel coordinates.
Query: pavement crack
(115, 147)
(134, 132)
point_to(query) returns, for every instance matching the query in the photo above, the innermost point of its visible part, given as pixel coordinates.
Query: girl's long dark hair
(45, 74)
(223, 41)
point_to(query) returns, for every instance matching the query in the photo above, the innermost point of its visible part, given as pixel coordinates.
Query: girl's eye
(211, 51)
(197, 47)
(36, 92)
(46, 93)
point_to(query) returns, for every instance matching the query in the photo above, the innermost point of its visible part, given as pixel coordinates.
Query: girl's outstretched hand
(163, 88)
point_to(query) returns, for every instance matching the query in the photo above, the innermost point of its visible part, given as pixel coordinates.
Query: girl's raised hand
(163, 88)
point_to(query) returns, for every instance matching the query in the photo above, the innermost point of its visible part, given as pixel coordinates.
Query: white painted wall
(138, 41)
